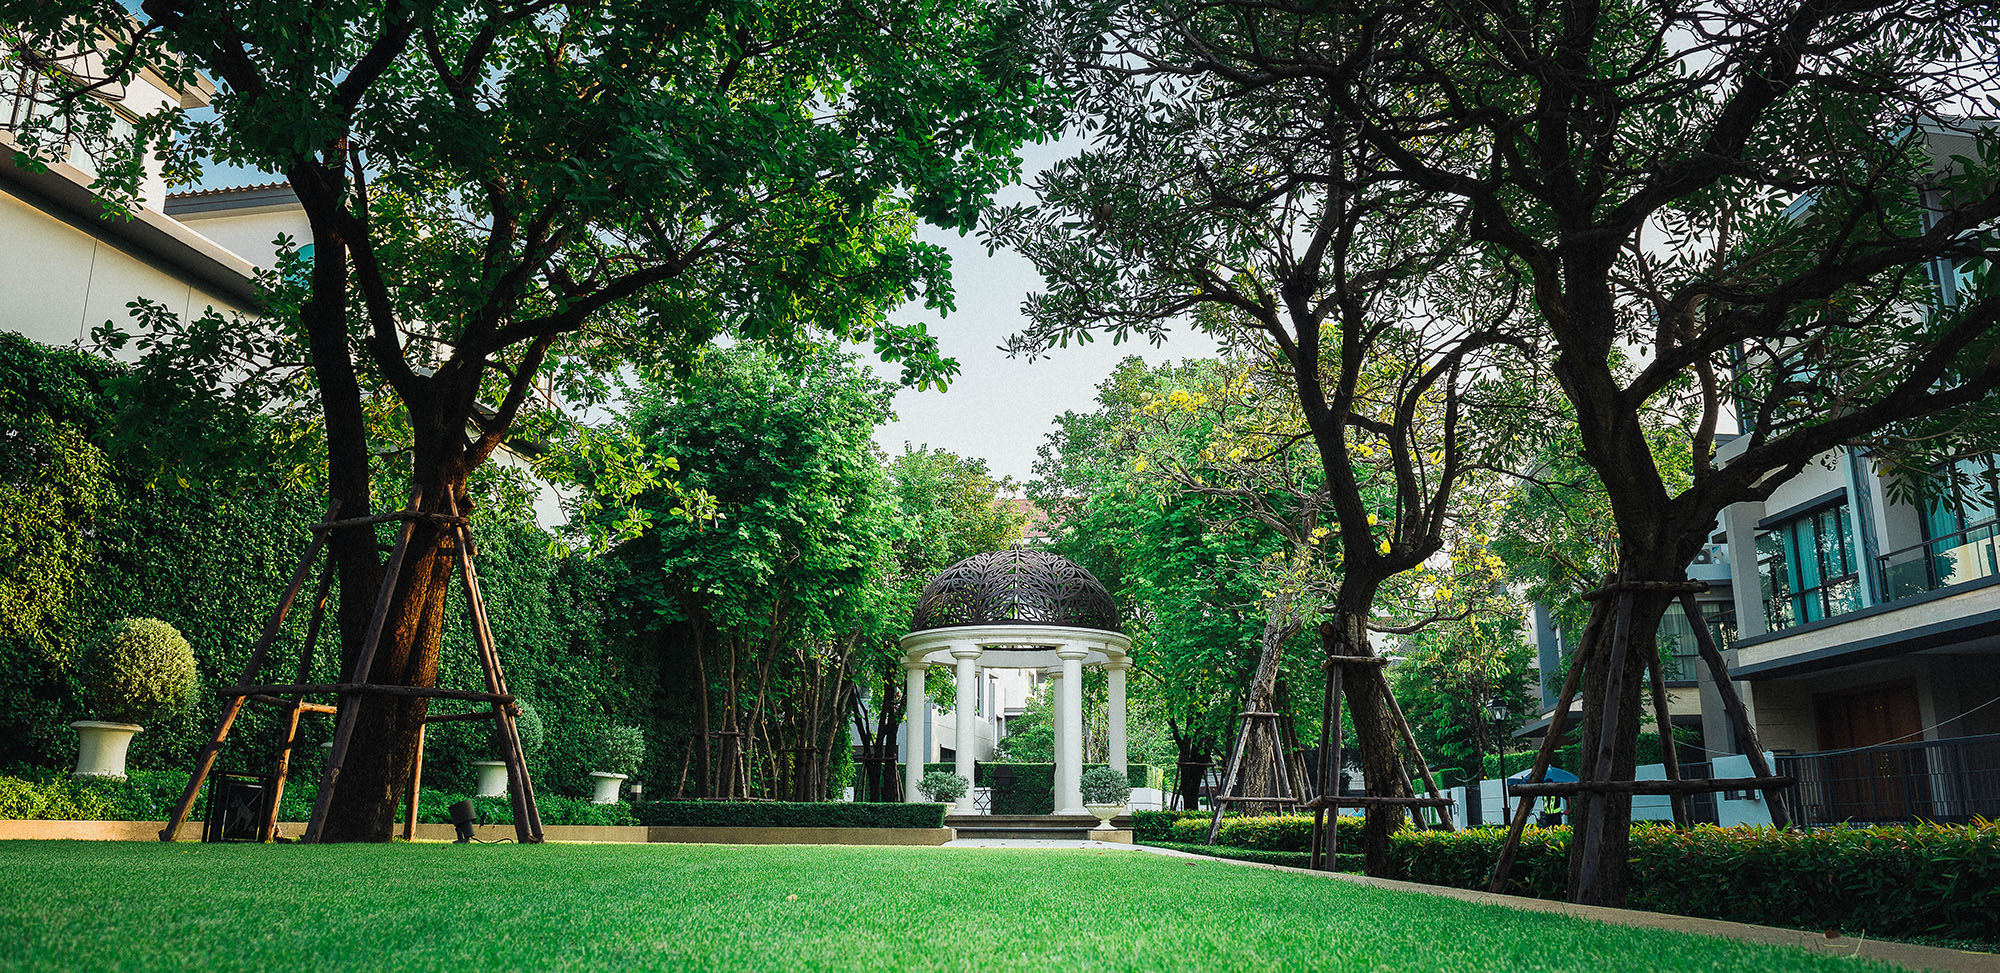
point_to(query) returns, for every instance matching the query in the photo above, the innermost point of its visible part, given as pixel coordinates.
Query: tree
(777, 593)
(510, 198)
(1640, 161)
(1257, 214)
(1464, 684)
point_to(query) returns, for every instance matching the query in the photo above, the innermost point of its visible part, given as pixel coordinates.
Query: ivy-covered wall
(98, 529)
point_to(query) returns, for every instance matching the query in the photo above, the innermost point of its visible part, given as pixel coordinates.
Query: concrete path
(1901, 954)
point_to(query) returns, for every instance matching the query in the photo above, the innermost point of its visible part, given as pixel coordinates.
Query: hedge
(1922, 880)
(789, 814)
(1155, 827)
(1034, 790)
(1344, 861)
(150, 795)
(1272, 832)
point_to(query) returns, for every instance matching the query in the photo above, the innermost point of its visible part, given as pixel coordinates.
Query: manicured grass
(130, 906)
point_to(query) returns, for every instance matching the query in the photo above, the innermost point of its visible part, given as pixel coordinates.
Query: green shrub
(137, 670)
(1343, 861)
(789, 814)
(1921, 880)
(533, 732)
(939, 786)
(434, 807)
(620, 749)
(1102, 785)
(1155, 827)
(1272, 832)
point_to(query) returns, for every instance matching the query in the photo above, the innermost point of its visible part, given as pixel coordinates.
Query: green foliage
(1153, 827)
(1102, 785)
(620, 749)
(1344, 861)
(1452, 676)
(1920, 880)
(434, 807)
(787, 814)
(137, 670)
(532, 731)
(941, 786)
(1271, 832)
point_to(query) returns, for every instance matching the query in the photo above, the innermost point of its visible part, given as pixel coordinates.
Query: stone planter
(100, 748)
(492, 778)
(607, 787)
(1105, 812)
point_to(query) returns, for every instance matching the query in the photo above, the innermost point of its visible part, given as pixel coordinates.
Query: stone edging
(1909, 955)
(191, 831)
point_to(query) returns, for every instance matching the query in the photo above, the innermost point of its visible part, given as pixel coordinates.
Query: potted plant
(939, 787)
(133, 672)
(619, 748)
(493, 773)
(1104, 793)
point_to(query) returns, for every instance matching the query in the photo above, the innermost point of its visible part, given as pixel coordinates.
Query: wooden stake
(1550, 740)
(206, 760)
(350, 704)
(1670, 756)
(1739, 718)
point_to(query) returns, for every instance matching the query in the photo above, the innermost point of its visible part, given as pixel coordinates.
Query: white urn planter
(100, 748)
(1105, 812)
(607, 787)
(492, 778)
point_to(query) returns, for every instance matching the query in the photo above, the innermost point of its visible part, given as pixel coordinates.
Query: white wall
(249, 233)
(57, 282)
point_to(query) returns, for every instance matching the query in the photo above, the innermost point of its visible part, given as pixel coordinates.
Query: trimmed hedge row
(787, 814)
(150, 795)
(1922, 880)
(1271, 832)
(1156, 827)
(1344, 861)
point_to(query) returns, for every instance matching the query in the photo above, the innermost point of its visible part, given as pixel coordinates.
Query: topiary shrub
(938, 786)
(137, 670)
(620, 748)
(533, 733)
(1102, 785)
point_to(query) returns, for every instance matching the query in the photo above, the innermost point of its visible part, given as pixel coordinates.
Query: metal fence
(1940, 780)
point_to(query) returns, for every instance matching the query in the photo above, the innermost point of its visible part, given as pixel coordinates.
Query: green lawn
(129, 906)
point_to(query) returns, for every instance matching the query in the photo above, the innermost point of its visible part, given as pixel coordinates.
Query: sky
(999, 408)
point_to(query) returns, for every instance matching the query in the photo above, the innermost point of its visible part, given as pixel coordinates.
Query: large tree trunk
(1641, 622)
(382, 752)
(1345, 633)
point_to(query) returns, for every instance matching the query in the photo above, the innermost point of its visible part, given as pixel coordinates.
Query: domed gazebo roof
(1015, 588)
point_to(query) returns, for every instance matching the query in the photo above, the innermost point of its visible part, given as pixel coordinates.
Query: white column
(967, 657)
(916, 712)
(1069, 716)
(1055, 711)
(1114, 678)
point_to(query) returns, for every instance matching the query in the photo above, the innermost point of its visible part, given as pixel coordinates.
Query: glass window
(1806, 568)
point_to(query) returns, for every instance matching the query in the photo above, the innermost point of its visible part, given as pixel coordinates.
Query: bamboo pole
(1670, 756)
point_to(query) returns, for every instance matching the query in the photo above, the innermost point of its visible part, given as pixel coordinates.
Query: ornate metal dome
(1015, 588)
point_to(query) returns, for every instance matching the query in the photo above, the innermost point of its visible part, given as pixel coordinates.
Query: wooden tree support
(1597, 754)
(350, 693)
(1326, 832)
(1286, 782)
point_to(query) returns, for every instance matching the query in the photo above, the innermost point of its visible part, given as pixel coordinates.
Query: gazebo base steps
(1066, 827)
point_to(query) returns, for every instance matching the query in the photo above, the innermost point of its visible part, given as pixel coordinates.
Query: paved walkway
(1902, 954)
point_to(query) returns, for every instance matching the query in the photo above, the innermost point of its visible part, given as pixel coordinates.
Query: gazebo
(1022, 609)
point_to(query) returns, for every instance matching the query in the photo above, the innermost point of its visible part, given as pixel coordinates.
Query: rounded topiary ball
(137, 670)
(529, 725)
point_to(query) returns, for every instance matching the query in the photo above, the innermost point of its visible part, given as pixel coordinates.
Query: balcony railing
(1964, 555)
(1940, 780)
